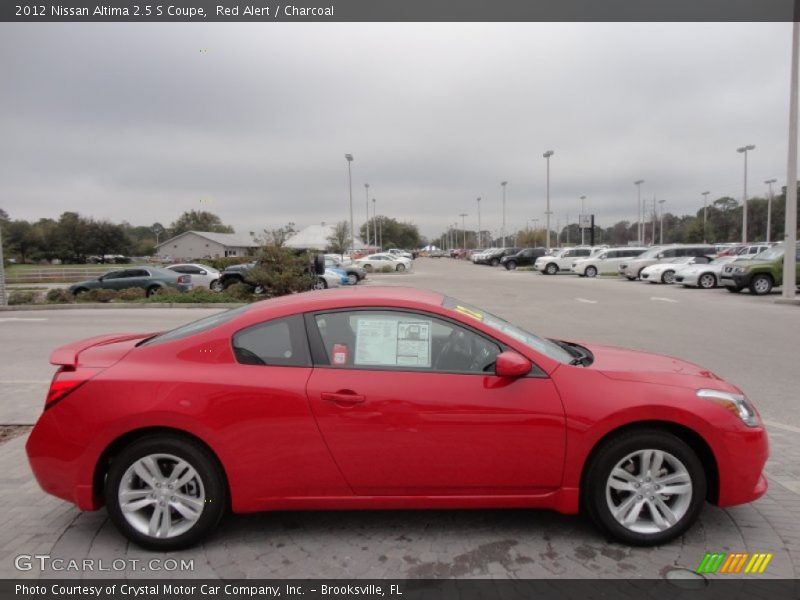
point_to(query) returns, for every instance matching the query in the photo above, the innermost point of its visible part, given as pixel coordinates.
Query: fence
(54, 274)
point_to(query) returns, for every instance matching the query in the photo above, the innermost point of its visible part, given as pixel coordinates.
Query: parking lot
(749, 341)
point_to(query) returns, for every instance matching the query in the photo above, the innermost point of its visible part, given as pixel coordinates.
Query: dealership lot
(749, 341)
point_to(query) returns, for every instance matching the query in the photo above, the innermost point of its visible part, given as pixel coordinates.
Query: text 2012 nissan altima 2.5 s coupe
(384, 398)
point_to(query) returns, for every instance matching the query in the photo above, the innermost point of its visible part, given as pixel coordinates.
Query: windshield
(533, 342)
(722, 260)
(651, 253)
(682, 260)
(771, 253)
(195, 326)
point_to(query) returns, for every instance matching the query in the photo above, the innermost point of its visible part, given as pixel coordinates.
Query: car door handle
(343, 397)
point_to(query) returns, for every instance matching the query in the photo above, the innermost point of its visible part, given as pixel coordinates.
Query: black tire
(551, 269)
(605, 458)
(79, 291)
(761, 284)
(206, 466)
(639, 274)
(401, 267)
(591, 271)
(352, 278)
(707, 281)
(511, 265)
(495, 262)
(321, 284)
(216, 286)
(668, 276)
(152, 290)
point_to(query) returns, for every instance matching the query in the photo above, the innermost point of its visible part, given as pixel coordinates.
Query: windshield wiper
(581, 357)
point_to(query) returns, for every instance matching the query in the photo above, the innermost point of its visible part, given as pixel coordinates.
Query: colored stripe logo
(736, 562)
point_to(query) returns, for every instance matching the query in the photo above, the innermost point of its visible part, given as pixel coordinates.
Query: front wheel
(761, 285)
(551, 269)
(401, 267)
(511, 265)
(352, 279)
(644, 487)
(165, 493)
(668, 276)
(707, 281)
(320, 284)
(591, 271)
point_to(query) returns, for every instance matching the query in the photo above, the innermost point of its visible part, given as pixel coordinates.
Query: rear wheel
(511, 265)
(165, 493)
(152, 290)
(591, 271)
(216, 286)
(707, 281)
(761, 285)
(79, 291)
(401, 267)
(551, 269)
(352, 278)
(320, 284)
(644, 487)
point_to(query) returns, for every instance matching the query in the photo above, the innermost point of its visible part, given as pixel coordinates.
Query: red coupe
(386, 399)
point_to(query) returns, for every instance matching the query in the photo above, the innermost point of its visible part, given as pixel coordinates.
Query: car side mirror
(511, 364)
(660, 255)
(202, 272)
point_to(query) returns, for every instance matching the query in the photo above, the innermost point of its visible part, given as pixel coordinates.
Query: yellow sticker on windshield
(470, 313)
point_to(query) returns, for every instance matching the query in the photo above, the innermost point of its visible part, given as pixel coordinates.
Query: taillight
(185, 279)
(66, 380)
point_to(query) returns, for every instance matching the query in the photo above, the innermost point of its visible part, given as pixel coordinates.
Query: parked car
(526, 256)
(633, 268)
(759, 274)
(347, 417)
(704, 276)
(150, 279)
(353, 272)
(606, 262)
(493, 256)
(479, 256)
(562, 260)
(436, 254)
(201, 274)
(331, 278)
(664, 272)
(399, 252)
(375, 262)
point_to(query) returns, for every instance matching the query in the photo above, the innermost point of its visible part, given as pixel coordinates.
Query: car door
(119, 281)
(408, 404)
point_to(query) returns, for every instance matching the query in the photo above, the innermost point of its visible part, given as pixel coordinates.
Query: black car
(238, 273)
(526, 256)
(497, 255)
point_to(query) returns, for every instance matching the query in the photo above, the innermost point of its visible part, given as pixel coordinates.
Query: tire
(668, 276)
(639, 274)
(228, 282)
(511, 265)
(79, 291)
(626, 453)
(216, 286)
(152, 290)
(707, 281)
(590, 271)
(761, 285)
(352, 279)
(400, 268)
(320, 284)
(495, 262)
(551, 269)
(205, 493)
(259, 290)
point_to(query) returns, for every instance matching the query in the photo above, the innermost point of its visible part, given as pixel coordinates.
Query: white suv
(606, 262)
(562, 260)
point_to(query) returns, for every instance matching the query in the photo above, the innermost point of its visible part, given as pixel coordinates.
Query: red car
(386, 399)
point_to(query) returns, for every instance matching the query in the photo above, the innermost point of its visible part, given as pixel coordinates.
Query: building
(316, 237)
(191, 245)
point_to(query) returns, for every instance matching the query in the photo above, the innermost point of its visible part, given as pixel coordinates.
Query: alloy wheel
(161, 496)
(352, 279)
(668, 276)
(707, 281)
(649, 491)
(591, 272)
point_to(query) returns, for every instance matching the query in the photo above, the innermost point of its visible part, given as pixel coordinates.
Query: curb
(795, 301)
(23, 307)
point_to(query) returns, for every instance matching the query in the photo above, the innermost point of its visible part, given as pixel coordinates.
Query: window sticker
(340, 354)
(393, 342)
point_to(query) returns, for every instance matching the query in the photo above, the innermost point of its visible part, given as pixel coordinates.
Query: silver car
(703, 276)
(632, 268)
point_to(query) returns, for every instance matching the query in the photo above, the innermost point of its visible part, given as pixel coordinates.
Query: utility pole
(480, 235)
(3, 297)
(366, 225)
(464, 228)
(790, 229)
(705, 215)
(769, 182)
(744, 150)
(503, 185)
(375, 223)
(655, 215)
(349, 159)
(639, 211)
(547, 212)
(661, 235)
(583, 215)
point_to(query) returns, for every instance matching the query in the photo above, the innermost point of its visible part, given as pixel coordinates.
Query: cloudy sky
(251, 121)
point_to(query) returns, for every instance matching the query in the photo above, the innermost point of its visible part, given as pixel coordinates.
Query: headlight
(737, 270)
(736, 403)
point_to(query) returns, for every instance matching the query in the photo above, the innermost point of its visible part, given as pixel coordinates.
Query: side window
(673, 252)
(281, 342)
(395, 340)
(583, 252)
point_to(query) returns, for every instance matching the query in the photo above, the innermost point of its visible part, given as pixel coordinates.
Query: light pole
(480, 235)
(790, 228)
(349, 159)
(3, 299)
(639, 229)
(583, 210)
(375, 223)
(744, 150)
(366, 225)
(503, 185)
(547, 156)
(464, 228)
(661, 235)
(705, 215)
(769, 182)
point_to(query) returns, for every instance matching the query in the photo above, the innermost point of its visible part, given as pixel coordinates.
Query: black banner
(691, 587)
(142, 11)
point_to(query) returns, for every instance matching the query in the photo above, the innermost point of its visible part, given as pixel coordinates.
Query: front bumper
(735, 280)
(741, 459)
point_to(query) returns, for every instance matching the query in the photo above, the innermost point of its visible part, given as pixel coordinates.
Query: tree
(339, 240)
(4, 215)
(199, 220)
(107, 238)
(277, 237)
(72, 237)
(394, 233)
(20, 238)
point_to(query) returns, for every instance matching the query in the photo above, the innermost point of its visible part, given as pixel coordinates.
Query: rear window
(195, 327)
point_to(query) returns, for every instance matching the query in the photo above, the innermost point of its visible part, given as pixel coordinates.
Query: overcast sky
(140, 122)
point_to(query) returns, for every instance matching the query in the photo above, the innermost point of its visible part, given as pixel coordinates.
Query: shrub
(98, 295)
(59, 296)
(240, 292)
(281, 271)
(225, 261)
(21, 297)
(165, 294)
(131, 294)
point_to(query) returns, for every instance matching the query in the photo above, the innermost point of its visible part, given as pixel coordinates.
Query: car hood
(623, 364)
